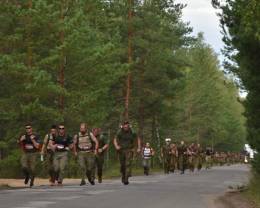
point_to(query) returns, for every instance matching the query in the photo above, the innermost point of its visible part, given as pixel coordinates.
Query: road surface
(192, 190)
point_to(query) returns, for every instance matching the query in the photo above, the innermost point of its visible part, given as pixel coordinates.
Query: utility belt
(87, 148)
(82, 150)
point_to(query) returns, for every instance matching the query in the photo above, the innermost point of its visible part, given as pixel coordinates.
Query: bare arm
(153, 152)
(75, 141)
(105, 147)
(94, 139)
(35, 143)
(53, 145)
(138, 144)
(44, 145)
(116, 144)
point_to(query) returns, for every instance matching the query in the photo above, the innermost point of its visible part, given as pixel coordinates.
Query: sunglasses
(62, 128)
(28, 127)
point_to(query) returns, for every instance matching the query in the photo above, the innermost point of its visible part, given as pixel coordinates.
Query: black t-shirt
(62, 142)
(28, 144)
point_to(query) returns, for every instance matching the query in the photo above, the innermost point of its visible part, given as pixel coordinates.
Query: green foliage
(177, 89)
(240, 21)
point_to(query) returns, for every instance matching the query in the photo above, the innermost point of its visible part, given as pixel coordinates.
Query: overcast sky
(202, 17)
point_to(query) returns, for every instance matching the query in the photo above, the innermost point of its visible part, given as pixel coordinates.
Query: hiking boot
(32, 181)
(26, 180)
(100, 179)
(82, 183)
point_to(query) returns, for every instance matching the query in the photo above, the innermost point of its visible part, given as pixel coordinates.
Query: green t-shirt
(102, 139)
(126, 139)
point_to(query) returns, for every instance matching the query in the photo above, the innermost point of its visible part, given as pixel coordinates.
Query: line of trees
(68, 61)
(240, 21)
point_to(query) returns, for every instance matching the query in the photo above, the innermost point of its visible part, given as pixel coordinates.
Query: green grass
(253, 192)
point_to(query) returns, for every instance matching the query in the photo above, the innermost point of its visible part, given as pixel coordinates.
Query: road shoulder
(234, 199)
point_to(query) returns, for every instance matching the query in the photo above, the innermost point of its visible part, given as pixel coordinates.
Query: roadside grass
(253, 191)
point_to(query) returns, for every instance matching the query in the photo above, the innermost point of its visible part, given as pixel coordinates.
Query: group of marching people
(89, 147)
(190, 157)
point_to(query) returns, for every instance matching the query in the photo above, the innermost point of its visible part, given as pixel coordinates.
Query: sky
(202, 17)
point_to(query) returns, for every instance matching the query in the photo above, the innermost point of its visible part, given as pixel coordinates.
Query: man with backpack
(124, 143)
(86, 147)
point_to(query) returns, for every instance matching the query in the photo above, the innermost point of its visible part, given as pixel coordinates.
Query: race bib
(28, 147)
(60, 146)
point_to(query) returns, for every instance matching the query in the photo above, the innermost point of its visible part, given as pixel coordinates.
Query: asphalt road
(192, 190)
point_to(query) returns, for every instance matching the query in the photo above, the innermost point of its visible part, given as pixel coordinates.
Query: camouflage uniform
(166, 153)
(86, 156)
(198, 157)
(102, 141)
(208, 158)
(126, 140)
(174, 157)
(182, 157)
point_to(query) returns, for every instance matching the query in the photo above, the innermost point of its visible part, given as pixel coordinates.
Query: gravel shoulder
(233, 200)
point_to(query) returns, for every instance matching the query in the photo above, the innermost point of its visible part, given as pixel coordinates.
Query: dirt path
(19, 183)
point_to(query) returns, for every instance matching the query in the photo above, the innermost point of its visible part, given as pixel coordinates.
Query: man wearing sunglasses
(60, 144)
(30, 144)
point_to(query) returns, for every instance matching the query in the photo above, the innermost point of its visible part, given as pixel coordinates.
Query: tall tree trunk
(62, 57)
(141, 100)
(29, 39)
(130, 58)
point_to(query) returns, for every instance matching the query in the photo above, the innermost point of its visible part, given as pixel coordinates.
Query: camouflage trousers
(173, 163)
(208, 161)
(28, 163)
(99, 164)
(199, 161)
(182, 162)
(191, 162)
(87, 165)
(125, 159)
(166, 163)
(60, 160)
(48, 164)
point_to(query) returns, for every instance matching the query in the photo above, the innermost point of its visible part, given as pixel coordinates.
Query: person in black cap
(124, 143)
